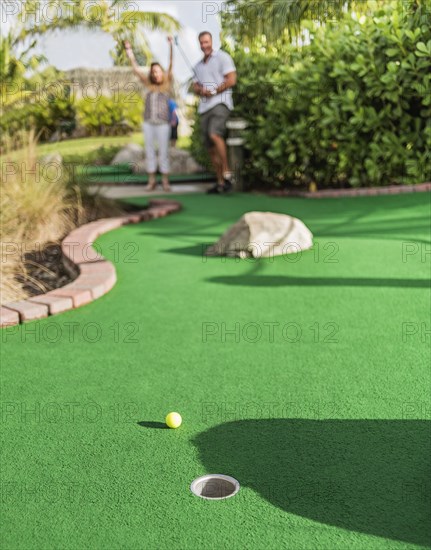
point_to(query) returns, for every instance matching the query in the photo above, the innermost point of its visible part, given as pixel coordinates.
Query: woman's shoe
(151, 183)
(165, 184)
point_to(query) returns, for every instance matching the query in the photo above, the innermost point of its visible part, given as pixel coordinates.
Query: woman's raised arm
(135, 66)
(171, 54)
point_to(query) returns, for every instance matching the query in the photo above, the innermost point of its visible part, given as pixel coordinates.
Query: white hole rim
(207, 477)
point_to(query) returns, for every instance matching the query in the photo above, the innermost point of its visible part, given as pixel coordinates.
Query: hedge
(108, 115)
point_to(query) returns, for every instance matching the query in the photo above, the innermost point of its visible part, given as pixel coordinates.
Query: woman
(157, 126)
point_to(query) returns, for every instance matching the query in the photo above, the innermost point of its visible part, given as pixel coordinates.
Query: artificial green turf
(328, 435)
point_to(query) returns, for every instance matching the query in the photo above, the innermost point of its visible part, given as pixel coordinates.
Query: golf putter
(186, 59)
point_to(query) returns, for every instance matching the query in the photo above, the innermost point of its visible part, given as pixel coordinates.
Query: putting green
(305, 378)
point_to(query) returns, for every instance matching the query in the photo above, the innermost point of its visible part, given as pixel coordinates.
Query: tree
(110, 16)
(13, 67)
(120, 59)
(247, 21)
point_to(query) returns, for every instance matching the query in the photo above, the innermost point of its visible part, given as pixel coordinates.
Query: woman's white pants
(157, 134)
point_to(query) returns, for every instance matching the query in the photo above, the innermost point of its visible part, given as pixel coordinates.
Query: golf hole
(215, 486)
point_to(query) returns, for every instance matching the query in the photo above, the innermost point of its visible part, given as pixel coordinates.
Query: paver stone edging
(97, 275)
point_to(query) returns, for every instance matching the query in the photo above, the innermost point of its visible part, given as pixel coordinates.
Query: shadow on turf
(370, 476)
(282, 280)
(195, 250)
(153, 425)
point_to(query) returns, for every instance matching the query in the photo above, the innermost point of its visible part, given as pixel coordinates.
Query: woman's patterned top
(157, 100)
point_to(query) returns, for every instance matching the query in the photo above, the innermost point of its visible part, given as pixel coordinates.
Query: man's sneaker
(227, 186)
(216, 190)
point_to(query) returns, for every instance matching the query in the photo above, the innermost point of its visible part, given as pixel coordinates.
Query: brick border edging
(96, 274)
(361, 192)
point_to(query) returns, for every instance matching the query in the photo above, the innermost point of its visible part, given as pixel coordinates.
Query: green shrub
(110, 116)
(46, 114)
(57, 112)
(352, 108)
(197, 150)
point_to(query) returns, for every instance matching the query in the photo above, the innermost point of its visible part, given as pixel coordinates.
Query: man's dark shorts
(214, 122)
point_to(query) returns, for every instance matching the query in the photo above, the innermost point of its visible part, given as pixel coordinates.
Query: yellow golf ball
(173, 420)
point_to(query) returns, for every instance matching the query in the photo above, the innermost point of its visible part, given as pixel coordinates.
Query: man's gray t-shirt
(211, 74)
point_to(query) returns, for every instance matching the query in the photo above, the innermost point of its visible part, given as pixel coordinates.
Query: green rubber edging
(111, 175)
(94, 170)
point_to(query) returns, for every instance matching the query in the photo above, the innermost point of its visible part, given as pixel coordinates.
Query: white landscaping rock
(192, 167)
(181, 162)
(130, 154)
(139, 167)
(263, 235)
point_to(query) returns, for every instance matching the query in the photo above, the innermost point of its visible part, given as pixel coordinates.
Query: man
(215, 76)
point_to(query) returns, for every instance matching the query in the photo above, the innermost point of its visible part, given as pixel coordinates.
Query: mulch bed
(46, 270)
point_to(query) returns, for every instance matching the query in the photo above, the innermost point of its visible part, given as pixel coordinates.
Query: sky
(72, 49)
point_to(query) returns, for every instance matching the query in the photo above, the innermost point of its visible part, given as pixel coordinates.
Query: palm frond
(150, 20)
(115, 22)
(250, 19)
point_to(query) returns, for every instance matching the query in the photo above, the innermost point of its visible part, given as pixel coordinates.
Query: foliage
(46, 109)
(199, 153)
(352, 108)
(31, 95)
(36, 208)
(110, 115)
(269, 22)
(13, 67)
(120, 59)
